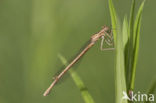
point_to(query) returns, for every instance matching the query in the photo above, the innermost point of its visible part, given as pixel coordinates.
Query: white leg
(101, 46)
(110, 36)
(109, 42)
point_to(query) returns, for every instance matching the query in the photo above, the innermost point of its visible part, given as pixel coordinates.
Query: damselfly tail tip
(46, 93)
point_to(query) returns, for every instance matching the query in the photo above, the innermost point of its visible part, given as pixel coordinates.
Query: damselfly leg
(108, 39)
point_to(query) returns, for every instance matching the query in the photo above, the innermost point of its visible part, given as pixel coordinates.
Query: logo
(138, 97)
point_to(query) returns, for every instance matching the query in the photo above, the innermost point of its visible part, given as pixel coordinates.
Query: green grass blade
(125, 32)
(136, 36)
(129, 47)
(152, 89)
(113, 18)
(137, 21)
(125, 44)
(79, 83)
(120, 83)
(120, 68)
(131, 21)
(131, 24)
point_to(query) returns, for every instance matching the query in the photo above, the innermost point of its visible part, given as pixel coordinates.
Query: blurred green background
(33, 32)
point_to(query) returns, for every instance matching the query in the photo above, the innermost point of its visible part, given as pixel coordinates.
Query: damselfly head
(95, 37)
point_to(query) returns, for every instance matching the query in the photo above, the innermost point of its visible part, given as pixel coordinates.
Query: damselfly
(105, 34)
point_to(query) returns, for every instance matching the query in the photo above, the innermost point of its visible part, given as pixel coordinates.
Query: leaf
(120, 83)
(131, 21)
(129, 46)
(136, 31)
(79, 83)
(125, 31)
(151, 90)
(120, 67)
(113, 19)
(126, 37)
(136, 36)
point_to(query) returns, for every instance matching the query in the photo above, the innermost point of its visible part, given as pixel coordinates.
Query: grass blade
(125, 45)
(120, 83)
(131, 21)
(137, 21)
(136, 36)
(79, 83)
(125, 32)
(152, 89)
(113, 18)
(129, 47)
(120, 68)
